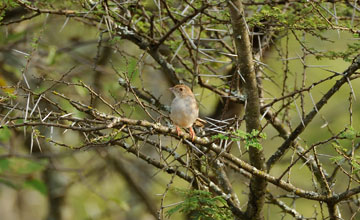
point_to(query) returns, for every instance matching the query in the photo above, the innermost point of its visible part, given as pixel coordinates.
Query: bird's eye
(181, 89)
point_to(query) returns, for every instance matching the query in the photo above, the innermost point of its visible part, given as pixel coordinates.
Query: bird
(184, 109)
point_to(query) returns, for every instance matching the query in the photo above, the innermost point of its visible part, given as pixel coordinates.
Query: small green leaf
(335, 145)
(356, 166)
(240, 133)
(250, 139)
(38, 185)
(220, 136)
(174, 210)
(201, 205)
(350, 133)
(336, 159)
(11, 94)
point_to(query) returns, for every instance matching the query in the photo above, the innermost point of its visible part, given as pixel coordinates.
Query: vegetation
(85, 131)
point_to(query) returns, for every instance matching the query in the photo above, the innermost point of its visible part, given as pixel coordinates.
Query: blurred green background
(94, 189)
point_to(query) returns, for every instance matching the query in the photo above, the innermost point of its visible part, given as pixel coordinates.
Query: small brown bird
(184, 109)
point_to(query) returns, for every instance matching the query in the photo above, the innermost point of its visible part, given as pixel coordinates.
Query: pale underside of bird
(184, 109)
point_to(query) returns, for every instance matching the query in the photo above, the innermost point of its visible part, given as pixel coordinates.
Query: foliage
(7, 4)
(350, 133)
(250, 139)
(354, 161)
(348, 54)
(303, 18)
(60, 64)
(201, 205)
(296, 18)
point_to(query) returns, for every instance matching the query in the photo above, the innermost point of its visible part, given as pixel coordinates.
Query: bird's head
(181, 91)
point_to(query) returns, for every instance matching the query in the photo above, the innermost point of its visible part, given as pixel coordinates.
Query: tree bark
(252, 111)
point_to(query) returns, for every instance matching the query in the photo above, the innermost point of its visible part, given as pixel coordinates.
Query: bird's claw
(192, 134)
(178, 130)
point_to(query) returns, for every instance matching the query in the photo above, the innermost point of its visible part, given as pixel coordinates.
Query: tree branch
(252, 111)
(308, 118)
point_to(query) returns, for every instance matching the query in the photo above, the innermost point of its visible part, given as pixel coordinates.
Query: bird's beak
(171, 89)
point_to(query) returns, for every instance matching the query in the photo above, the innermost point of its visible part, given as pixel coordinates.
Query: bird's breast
(184, 111)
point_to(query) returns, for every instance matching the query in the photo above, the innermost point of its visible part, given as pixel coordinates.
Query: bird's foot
(192, 134)
(178, 130)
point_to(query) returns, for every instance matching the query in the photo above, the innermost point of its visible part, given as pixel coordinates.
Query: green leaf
(220, 136)
(356, 166)
(4, 134)
(11, 94)
(350, 133)
(174, 210)
(339, 147)
(336, 159)
(250, 139)
(38, 185)
(240, 133)
(200, 205)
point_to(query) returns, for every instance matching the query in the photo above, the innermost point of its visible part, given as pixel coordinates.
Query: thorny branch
(205, 52)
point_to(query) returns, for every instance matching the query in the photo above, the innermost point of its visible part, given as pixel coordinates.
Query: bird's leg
(192, 133)
(178, 130)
